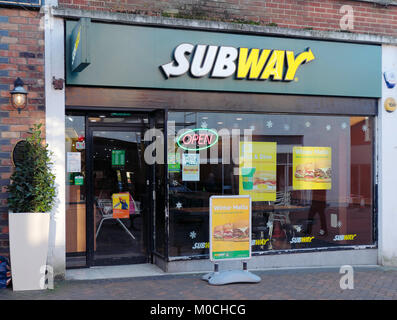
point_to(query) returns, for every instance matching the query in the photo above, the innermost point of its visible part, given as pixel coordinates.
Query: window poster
(191, 167)
(174, 162)
(230, 227)
(258, 170)
(73, 162)
(123, 205)
(312, 168)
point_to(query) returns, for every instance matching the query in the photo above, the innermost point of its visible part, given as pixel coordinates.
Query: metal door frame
(90, 234)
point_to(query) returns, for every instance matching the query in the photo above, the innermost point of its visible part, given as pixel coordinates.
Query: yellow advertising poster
(230, 227)
(312, 168)
(121, 205)
(258, 170)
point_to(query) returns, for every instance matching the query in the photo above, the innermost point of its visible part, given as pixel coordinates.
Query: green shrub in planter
(32, 187)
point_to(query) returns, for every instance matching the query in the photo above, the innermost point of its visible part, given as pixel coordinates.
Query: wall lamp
(18, 95)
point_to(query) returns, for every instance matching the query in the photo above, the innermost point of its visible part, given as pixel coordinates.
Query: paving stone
(310, 284)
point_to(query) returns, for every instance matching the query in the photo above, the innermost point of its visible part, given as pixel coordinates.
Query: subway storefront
(158, 120)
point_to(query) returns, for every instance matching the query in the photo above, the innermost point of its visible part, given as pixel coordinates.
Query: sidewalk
(370, 283)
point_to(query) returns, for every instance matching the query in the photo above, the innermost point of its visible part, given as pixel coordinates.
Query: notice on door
(312, 168)
(191, 167)
(230, 228)
(73, 162)
(258, 170)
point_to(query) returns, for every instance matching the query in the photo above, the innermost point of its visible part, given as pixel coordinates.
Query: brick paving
(375, 283)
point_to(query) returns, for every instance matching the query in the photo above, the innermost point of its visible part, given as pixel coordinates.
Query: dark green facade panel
(131, 56)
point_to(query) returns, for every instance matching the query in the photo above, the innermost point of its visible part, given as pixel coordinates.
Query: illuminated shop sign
(243, 63)
(80, 58)
(197, 139)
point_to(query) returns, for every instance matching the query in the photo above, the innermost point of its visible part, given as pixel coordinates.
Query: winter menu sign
(230, 227)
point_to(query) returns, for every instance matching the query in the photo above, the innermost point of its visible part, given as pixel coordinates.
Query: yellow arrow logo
(294, 63)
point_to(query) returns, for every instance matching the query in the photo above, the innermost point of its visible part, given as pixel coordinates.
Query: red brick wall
(21, 55)
(316, 15)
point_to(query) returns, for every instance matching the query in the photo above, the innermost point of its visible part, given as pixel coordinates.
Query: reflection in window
(322, 195)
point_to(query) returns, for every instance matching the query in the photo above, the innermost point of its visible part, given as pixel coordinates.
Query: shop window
(318, 192)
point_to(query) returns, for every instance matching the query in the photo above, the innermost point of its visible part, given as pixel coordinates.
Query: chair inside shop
(105, 208)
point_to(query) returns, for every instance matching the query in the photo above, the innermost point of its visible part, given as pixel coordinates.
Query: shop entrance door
(118, 215)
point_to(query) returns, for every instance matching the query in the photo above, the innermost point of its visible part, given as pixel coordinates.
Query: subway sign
(197, 139)
(150, 57)
(243, 63)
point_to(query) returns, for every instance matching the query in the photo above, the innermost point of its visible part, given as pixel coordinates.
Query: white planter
(28, 234)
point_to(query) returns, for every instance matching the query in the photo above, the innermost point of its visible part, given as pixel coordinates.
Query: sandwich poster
(312, 168)
(258, 170)
(230, 227)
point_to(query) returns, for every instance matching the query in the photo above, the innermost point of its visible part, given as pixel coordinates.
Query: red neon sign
(198, 139)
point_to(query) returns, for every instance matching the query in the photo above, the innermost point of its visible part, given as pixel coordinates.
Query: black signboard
(24, 3)
(19, 152)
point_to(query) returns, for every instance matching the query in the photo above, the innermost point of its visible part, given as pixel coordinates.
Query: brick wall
(317, 15)
(21, 55)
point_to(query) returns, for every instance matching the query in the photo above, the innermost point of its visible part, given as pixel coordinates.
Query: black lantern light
(18, 95)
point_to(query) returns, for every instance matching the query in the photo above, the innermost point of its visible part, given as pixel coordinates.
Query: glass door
(118, 198)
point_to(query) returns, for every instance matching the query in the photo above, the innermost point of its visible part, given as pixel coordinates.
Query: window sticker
(258, 170)
(312, 167)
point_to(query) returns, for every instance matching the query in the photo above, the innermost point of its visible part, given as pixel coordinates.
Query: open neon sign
(197, 139)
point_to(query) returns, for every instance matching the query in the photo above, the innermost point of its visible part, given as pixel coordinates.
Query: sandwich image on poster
(265, 180)
(312, 168)
(236, 231)
(230, 227)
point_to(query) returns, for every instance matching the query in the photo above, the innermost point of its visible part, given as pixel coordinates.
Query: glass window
(310, 179)
(75, 190)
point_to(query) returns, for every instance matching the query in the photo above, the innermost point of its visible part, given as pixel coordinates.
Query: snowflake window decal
(192, 235)
(298, 228)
